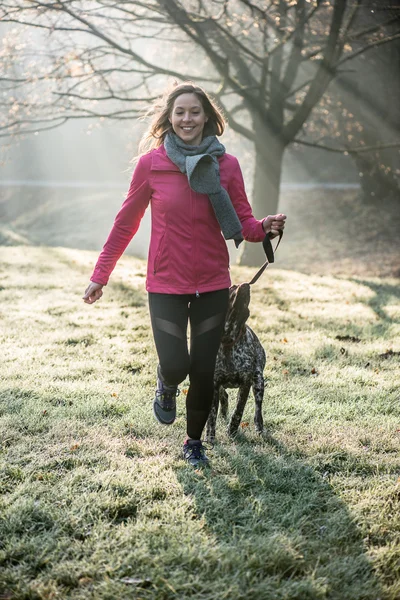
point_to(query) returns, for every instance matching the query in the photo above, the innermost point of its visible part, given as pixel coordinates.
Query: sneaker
(194, 453)
(164, 404)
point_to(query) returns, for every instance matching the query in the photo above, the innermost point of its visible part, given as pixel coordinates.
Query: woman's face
(188, 118)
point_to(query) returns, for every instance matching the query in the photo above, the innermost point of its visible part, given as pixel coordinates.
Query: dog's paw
(259, 427)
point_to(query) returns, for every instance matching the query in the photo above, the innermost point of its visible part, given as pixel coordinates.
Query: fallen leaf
(74, 447)
(185, 391)
(85, 580)
(114, 395)
(244, 424)
(284, 341)
(285, 372)
(44, 413)
(314, 371)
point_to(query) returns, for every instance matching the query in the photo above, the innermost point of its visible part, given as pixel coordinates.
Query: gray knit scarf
(201, 166)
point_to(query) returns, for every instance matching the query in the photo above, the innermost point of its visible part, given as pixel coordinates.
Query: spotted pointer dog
(240, 364)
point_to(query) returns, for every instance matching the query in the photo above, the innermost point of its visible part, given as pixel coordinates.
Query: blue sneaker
(164, 404)
(194, 453)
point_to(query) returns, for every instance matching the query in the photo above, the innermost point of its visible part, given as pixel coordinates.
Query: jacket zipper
(194, 242)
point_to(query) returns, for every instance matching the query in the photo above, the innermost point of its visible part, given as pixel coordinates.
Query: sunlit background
(63, 186)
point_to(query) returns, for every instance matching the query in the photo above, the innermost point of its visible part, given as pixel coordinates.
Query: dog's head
(238, 311)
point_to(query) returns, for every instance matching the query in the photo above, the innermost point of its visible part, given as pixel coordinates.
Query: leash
(269, 253)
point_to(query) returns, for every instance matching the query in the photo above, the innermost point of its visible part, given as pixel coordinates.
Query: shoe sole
(158, 418)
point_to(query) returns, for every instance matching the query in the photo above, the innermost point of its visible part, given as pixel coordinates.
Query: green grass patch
(96, 500)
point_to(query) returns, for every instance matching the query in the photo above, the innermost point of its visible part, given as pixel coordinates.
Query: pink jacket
(187, 252)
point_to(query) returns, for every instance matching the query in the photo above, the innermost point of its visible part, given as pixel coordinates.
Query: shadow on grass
(383, 292)
(283, 523)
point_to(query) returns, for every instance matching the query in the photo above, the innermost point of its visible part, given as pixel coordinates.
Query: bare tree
(268, 62)
(361, 106)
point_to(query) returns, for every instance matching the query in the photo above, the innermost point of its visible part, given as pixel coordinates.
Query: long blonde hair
(162, 109)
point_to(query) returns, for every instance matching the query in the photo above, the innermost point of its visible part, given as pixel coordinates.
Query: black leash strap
(269, 253)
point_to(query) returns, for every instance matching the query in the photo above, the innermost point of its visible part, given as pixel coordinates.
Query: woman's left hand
(273, 223)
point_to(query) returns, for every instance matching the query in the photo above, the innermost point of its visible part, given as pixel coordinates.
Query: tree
(268, 63)
(361, 108)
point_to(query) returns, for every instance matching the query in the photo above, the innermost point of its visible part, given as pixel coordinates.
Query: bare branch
(323, 76)
(348, 150)
(374, 44)
(112, 96)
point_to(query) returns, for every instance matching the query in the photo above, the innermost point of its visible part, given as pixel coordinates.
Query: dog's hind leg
(258, 391)
(212, 417)
(223, 400)
(237, 415)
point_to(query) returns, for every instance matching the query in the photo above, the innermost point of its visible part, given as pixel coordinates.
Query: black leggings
(170, 314)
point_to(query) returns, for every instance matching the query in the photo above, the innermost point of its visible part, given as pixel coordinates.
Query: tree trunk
(267, 179)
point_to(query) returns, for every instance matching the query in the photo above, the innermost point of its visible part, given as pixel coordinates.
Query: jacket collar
(161, 162)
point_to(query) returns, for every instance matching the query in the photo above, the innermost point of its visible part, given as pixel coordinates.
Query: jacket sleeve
(126, 222)
(252, 228)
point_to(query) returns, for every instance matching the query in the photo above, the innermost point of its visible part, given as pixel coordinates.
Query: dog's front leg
(258, 391)
(212, 417)
(237, 415)
(223, 401)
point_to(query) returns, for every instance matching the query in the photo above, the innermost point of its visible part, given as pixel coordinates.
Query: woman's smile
(188, 118)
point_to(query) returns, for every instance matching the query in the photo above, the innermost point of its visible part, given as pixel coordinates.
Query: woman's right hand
(93, 292)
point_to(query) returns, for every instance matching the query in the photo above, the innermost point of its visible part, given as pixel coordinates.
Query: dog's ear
(240, 300)
(232, 295)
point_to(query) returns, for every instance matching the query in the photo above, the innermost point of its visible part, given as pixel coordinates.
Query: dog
(240, 364)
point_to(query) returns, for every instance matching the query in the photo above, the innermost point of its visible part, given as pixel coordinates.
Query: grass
(96, 500)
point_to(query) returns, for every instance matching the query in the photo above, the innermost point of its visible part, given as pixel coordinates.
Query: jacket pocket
(159, 254)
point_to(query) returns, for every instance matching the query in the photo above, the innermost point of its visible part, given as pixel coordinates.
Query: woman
(196, 191)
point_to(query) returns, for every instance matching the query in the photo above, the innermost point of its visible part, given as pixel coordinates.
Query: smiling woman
(188, 118)
(172, 105)
(196, 192)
